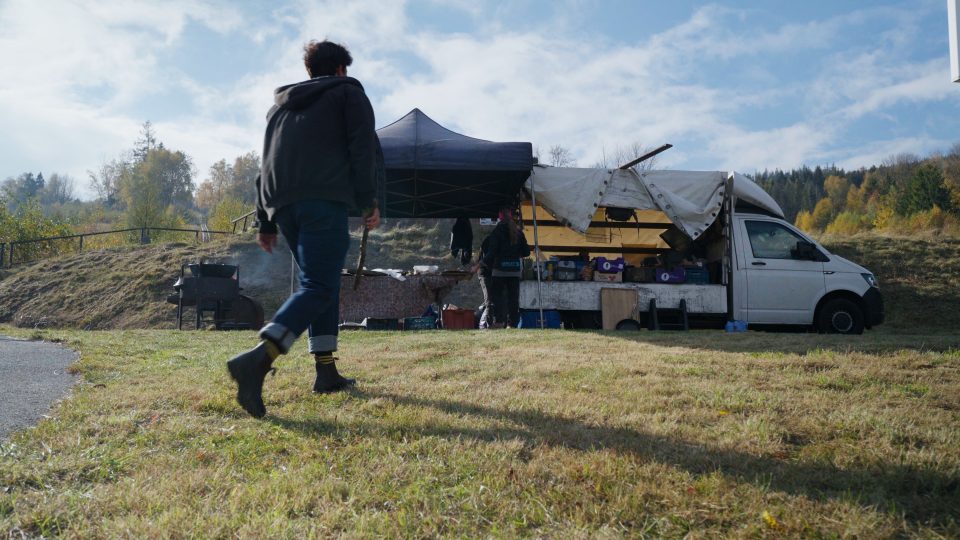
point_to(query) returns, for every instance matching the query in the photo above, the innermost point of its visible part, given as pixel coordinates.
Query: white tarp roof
(691, 199)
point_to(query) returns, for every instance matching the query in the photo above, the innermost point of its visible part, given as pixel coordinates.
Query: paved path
(33, 374)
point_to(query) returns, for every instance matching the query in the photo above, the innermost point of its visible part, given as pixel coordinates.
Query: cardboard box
(614, 277)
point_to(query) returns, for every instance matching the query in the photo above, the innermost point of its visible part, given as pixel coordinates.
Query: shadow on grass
(801, 343)
(920, 495)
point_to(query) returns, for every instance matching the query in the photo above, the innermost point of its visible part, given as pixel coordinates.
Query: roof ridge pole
(536, 246)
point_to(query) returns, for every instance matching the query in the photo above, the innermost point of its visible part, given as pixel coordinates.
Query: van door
(783, 287)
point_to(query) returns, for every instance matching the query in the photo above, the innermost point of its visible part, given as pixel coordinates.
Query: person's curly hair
(324, 57)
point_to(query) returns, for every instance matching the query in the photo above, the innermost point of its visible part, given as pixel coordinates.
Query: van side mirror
(807, 251)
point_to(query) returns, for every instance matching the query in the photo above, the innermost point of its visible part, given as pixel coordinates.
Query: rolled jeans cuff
(282, 337)
(323, 344)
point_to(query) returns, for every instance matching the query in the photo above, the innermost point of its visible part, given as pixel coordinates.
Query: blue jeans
(317, 234)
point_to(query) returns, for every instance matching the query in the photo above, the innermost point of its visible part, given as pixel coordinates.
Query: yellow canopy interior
(603, 238)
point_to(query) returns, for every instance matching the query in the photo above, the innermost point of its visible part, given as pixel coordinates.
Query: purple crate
(609, 266)
(674, 275)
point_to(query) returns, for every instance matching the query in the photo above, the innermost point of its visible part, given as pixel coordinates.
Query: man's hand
(267, 241)
(372, 219)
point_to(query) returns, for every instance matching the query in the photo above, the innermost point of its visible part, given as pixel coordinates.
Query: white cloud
(73, 71)
(69, 69)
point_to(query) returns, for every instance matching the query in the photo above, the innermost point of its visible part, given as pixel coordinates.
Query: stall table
(384, 297)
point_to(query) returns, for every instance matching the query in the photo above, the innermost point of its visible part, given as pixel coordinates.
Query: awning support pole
(727, 277)
(536, 247)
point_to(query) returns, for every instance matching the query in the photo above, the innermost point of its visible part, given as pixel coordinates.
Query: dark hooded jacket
(501, 248)
(320, 143)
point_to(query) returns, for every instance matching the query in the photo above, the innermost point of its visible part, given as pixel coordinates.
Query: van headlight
(871, 280)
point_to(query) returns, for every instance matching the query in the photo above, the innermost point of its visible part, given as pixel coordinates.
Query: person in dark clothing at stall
(508, 246)
(484, 278)
(321, 157)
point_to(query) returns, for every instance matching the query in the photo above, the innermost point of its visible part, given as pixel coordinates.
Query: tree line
(148, 185)
(904, 194)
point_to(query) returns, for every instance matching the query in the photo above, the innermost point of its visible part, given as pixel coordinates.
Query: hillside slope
(127, 287)
(919, 277)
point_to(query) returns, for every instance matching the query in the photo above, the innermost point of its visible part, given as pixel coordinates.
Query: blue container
(531, 319)
(736, 326)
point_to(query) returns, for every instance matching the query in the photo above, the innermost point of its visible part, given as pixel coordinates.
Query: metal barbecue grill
(214, 292)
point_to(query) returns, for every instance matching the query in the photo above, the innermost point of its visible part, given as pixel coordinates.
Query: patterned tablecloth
(383, 297)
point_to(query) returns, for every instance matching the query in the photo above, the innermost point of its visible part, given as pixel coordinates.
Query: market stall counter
(381, 296)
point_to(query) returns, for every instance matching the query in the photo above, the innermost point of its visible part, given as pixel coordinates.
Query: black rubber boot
(249, 369)
(329, 379)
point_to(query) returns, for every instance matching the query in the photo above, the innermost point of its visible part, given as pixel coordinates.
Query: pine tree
(926, 190)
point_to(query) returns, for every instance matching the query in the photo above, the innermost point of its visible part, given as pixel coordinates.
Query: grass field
(502, 434)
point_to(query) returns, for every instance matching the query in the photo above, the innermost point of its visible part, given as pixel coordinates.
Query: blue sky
(732, 85)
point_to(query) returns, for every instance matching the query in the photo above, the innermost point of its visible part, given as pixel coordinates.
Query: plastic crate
(609, 266)
(675, 275)
(639, 274)
(381, 324)
(457, 319)
(697, 275)
(419, 323)
(567, 274)
(531, 319)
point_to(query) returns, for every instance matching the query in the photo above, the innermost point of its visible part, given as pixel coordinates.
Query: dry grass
(919, 277)
(502, 434)
(126, 287)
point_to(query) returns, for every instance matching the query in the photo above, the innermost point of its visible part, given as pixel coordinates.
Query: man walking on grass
(321, 157)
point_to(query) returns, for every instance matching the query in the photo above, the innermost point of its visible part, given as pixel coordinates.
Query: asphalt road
(33, 375)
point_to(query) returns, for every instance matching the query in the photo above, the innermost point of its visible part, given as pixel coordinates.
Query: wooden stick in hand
(363, 255)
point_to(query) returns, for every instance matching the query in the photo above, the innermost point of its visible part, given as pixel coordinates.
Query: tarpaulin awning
(434, 172)
(690, 199)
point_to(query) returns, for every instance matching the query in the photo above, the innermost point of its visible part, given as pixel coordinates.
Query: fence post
(81, 244)
(3, 251)
(11, 253)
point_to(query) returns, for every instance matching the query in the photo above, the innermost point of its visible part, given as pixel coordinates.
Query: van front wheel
(840, 316)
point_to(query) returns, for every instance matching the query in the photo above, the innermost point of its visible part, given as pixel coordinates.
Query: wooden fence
(38, 248)
(243, 218)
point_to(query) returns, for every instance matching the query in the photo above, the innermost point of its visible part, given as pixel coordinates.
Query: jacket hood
(302, 94)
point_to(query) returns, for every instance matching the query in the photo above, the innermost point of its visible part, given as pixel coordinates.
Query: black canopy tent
(432, 172)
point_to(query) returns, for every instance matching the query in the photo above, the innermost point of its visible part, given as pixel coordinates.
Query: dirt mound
(127, 287)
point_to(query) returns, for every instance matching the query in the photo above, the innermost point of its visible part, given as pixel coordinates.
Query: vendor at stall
(503, 258)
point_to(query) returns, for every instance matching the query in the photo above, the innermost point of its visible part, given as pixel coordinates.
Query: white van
(783, 277)
(765, 271)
